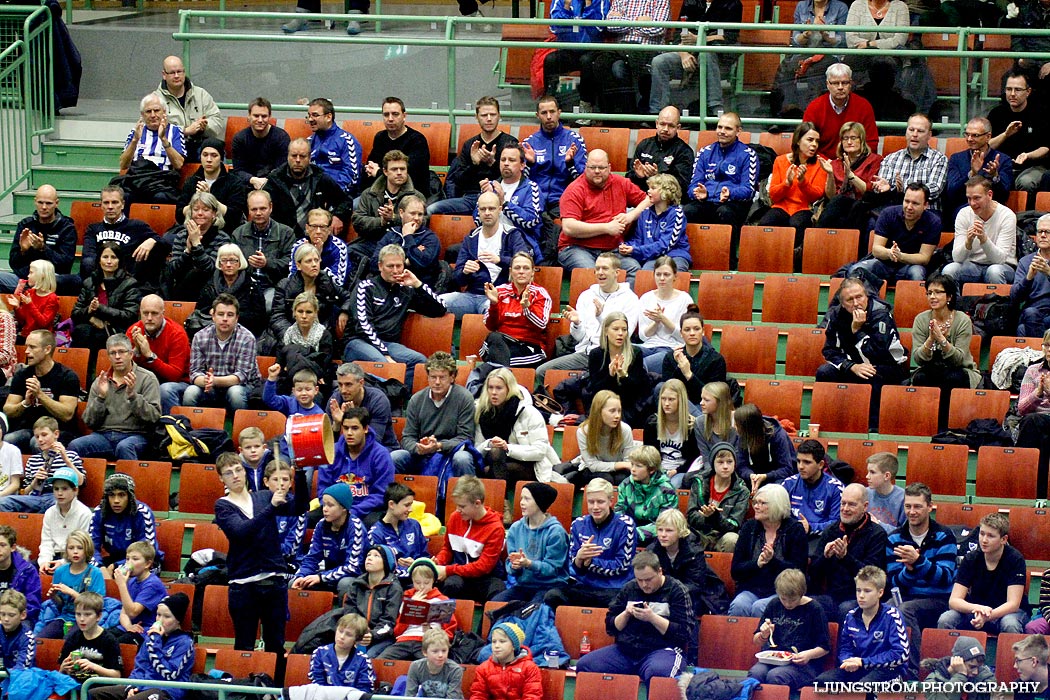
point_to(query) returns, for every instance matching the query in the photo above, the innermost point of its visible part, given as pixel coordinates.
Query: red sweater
(39, 314)
(172, 348)
(583, 202)
(527, 325)
(472, 548)
(828, 122)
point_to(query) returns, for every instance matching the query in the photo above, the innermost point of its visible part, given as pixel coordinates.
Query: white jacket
(586, 332)
(529, 442)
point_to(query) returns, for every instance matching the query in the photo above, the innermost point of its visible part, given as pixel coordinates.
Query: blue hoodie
(368, 476)
(510, 243)
(717, 167)
(168, 658)
(580, 10)
(26, 580)
(660, 234)
(341, 552)
(18, 648)
(113, 532)
(338, 154)
(408, 541)
(423, 249)
(613, 568)
(355, 672)
(550, 172)
(546, 547)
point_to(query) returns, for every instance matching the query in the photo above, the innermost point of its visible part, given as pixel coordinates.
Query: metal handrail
(221, 689)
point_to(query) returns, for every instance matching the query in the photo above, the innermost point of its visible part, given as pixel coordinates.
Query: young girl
(670, 430)
(696, 363)
(765, 450)
(660, 230)
(662, 309)
(36, 308)
(279, 476)
(376, 595)
(118, 521)
(307, 343)
(604, 441)
(71, 579)
(537, 547)
(258, 592)
(615, 366)
(646, 493)
(337, 550)
(167, 654)
(510, 673)
(408, 646)
(716, 417)
(718, 500)
(108, 302)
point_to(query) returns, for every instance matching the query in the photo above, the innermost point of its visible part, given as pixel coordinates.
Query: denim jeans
(885, 271)
(461, 303)
(234, 397)
(111, 443)
(653, 358)
(954, 620)
(171, 395)
(455, 205)
(667, 67)
(26, 504)
(406, 462)
(361, 349)
(972, 272)
(747, 604)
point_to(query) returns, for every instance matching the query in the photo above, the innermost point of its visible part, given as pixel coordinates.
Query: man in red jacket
(474, 536)
(162, 346)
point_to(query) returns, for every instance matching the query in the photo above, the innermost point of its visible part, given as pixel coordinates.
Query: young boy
(885, 498)
(410, 636)
(17, 643)
(167, 654)
(718, 500)
(873, 644)
(255, 456)
(989, 587)
(397, 530)
(376, 596)
(966, 664)
(11, 470)
(798, 623)
(97, 650)
(646, 493)
(36, 493)
(1030, 655)
(474, 537)
(279, 476)
(301, 401)
(66, 515)
(361, 462)
(339, 666)
(337, 550)
(435, 676)
(18, 573)
(140, 592)
(510, 672)
(118, 521)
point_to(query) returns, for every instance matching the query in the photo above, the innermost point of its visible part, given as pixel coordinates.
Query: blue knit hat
(386, 553)
(514, 633)
(341, 493)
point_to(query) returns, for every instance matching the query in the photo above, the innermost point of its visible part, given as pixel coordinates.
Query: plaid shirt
(930, 168)
(237, 357)
(631, 10)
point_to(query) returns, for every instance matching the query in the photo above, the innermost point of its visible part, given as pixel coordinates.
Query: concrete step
(72, 178)
(97, 154)
(23, 201)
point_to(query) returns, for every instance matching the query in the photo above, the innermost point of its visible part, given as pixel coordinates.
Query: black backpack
(991, 314)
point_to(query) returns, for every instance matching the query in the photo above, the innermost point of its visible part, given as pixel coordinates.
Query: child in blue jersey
(71, 579)
(140, 592)
(119, 520)
(397, 530)
(301, 402)
(873, 644)
(279, 476)
(337, 550)
(339, 671)
(255, 456)
(17, 643)
(167, 654)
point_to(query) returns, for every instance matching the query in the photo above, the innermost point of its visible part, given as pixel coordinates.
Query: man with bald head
(979, 158)
(845, 548)
(663, 153)
(189, 107)
(45, 235)
(299, 186)
(161, 346)
(595, 217)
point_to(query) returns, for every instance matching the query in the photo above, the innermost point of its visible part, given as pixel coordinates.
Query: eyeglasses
(1018, 89)
(1042, 232)
(317, 227)
(232, 471)
(971, 135)
(850, 137)
(1017, 662)
(174, 72)
(229, 261)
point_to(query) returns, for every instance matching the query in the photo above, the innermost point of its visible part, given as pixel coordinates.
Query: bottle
(585, 643)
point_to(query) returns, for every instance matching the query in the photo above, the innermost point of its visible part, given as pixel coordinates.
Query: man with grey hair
(352, 392)
(190, 107)
(266, 244)
(1031, 287)
(123, 407)
(838, 106)
(153, 153)
(979, 158)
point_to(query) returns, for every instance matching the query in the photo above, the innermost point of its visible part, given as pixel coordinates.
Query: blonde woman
(615, 366)
(605, 440)
(36, 308)
(671, 431)
(716, 417)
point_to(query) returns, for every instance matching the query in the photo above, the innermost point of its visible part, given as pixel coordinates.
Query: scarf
(312, 339)
(499, 421)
